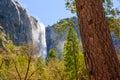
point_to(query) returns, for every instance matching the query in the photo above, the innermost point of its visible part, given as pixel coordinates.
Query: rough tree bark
(100, 56)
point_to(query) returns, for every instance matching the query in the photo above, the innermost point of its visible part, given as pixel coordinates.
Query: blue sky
(49, 11)
(46, 11)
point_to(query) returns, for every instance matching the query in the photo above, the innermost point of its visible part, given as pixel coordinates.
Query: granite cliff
(23, 29)
(16, 22)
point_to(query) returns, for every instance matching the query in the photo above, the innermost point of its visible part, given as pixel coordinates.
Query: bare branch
(29, 61)
(33, 73)
(17, 70)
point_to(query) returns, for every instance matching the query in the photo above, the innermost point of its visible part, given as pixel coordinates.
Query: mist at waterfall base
(39, 40)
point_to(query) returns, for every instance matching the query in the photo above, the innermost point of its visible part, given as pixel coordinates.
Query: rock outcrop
(16, 22)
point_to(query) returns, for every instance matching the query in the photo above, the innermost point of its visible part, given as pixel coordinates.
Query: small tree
(52, 54)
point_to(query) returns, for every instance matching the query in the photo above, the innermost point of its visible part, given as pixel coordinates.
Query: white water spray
(39, 40)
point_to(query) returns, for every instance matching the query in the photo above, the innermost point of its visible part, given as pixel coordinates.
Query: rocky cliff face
(55, 40)
(20, 27)
(16, 22)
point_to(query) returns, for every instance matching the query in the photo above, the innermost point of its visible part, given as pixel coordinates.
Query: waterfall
(39, 40)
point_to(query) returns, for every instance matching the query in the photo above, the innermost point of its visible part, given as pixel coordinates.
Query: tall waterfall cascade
(39, 40)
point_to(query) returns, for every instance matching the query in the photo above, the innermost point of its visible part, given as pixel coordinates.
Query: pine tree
(52, 54)
(71, 55)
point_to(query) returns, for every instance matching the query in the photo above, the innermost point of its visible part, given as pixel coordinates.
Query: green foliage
(112, 15)
(39, 69)
(55, 67)
(17, 64)
(115, 26)
(70, 5)
(82, 72)
(55, 70)
(64, 23)
(73, 59)
(61, 26)
(10, 47)
(52, 54)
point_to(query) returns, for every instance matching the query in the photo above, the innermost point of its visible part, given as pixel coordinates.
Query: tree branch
(29, 61)
(33, 73)
(17, 70)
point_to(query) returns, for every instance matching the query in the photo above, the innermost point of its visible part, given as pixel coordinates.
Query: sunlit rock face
(16, 22)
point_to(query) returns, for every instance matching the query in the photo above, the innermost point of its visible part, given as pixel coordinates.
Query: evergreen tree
(52, 54)
(71, 55)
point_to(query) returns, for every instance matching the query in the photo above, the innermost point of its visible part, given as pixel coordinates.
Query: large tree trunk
(100, 56)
